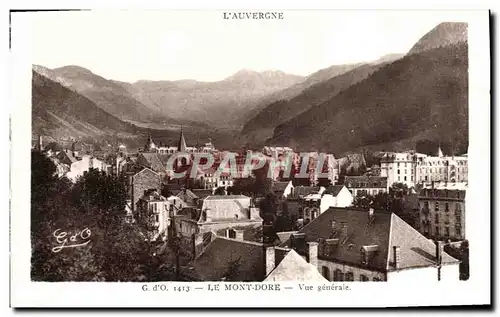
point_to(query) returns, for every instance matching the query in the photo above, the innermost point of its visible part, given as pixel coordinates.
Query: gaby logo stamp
(67, 240)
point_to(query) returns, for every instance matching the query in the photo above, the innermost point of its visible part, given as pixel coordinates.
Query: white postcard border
(25, 293)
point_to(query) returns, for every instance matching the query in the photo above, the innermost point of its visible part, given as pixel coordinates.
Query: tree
(269, 207)
(398, 190)
(103, 196)
(116, 252)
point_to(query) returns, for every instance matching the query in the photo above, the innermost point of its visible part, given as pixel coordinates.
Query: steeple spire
(440, 153)
(181, 146)
(150, 145)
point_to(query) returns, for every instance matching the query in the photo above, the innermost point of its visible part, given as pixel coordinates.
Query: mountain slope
(443, 34)
(106, 94)
(295, 90)
(219, 103)
(58, 111)
(422, 94)
(262, 126)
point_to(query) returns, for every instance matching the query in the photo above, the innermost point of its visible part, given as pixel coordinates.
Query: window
(458, 230)
(157, 218)
(446, 207)
(338, 276)
(363, 278)
(447, 231)
(436, 206)
(437, 231)
(326, 272)
(349, 276)
(399, 172)
(405, 178)
(436, 218)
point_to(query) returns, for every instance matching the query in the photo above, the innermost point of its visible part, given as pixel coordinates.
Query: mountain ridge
(442, 72)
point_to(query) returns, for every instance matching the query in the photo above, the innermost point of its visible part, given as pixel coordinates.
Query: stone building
(354, 245)
(413, 169)
(218, 214)
(366, 185)
(140, 182)
(442, 211)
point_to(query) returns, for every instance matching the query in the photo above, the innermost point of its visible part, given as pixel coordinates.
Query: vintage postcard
(250, 158)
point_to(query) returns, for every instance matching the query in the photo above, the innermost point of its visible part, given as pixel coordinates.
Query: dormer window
(368, 252)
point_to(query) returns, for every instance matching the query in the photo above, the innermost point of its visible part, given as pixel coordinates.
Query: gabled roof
(145, 170)
(226, 197)
(153, 161)
(285, 235)
(415, 249)
(66, 157)
(333, 190)
(223, 253)
(293, 267)
(279, 186)
(384, 230)
(202, 193)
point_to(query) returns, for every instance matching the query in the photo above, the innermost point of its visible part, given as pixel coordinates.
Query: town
(173, 212)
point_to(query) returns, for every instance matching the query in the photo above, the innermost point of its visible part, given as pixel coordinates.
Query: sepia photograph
(229, 150)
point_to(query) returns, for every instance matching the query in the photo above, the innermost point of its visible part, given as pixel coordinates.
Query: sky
(201, 45)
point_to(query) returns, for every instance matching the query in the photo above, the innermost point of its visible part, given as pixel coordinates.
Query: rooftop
(333, 190)
(293, 267)
(226, 197)
(232, 259)
(385, 230)
(447, 186)
(280, 186)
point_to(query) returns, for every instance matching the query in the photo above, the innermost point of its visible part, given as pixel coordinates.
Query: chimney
(197, 244)
(371, 215)
(439, 252)
(239, 234)
(40, 143)
(397, 256)
(270, 260)
(312, 253)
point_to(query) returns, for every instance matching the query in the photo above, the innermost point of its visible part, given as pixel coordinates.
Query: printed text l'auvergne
(252, 15)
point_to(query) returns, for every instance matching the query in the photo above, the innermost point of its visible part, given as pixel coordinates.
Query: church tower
(150, 145)
(181, 146)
